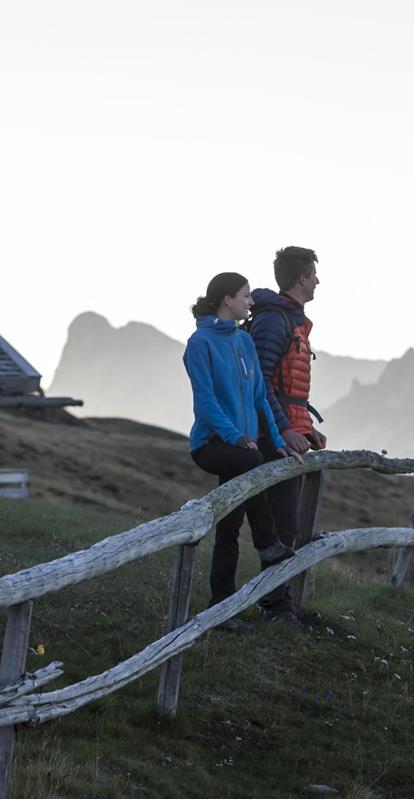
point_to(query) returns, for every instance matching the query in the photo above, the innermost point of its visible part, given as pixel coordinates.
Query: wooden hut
(20, 383)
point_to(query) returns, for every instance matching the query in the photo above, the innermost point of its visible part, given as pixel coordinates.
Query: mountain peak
(88, 321)
(133, 371)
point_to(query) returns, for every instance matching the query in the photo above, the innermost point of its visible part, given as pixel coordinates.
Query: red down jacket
(287, 375)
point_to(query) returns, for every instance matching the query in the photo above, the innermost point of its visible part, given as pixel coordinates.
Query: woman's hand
(244, 441)
(296, 455)
(285, 452)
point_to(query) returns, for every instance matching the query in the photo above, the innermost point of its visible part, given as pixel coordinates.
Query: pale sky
(148, 144)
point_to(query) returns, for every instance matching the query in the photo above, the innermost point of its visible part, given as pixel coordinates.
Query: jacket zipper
(236, 358)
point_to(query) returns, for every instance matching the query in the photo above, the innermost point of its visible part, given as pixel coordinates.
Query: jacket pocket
(246, 364)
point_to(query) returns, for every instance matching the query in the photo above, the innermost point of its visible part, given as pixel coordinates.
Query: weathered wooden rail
(14, 483)
(403, 563)
(18, 703)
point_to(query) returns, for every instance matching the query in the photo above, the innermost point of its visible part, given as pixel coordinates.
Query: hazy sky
(148, 144)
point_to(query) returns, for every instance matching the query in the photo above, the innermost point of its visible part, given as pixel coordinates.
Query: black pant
(227, 461)
(284, 499)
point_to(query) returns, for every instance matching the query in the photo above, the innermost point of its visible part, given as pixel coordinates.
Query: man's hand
(317, 440)
(296, 441)
(251, 445)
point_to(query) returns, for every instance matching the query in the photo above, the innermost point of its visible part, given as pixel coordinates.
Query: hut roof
(17, 376)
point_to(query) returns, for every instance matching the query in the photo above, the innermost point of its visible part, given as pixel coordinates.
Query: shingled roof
(20, 383)
(17, 376)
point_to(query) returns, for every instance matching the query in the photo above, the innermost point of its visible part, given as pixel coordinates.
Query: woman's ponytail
(223, 283)
(204, 307)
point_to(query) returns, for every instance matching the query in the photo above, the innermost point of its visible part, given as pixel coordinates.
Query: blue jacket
(268, 331)
(227, 382)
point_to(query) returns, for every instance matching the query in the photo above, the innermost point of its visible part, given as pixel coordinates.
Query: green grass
(262, 717)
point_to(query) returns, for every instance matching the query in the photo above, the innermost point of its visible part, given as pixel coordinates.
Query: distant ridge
(332, 376)
(378, 416)
(134, 371)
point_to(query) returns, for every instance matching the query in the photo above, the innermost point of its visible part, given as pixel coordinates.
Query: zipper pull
(296, 339)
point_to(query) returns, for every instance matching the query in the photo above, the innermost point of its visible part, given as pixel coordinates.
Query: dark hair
(222, 284)
(291, 263)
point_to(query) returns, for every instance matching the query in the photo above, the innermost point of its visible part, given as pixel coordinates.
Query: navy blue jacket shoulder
(269, 333)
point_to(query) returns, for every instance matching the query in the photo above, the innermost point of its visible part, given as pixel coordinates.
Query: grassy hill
(258, 717)
(115, 464)
(261, 717)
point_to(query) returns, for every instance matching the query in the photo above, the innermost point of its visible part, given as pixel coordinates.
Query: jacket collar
(290, 299)
(268, 298)
(212, 323)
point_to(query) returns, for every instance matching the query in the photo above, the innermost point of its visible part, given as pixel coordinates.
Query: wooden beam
(29, 682)
(36, 401)
(14, 483)
(310, 504)
(12, 667)
(403, 563)
(20, 476)
(179, 606)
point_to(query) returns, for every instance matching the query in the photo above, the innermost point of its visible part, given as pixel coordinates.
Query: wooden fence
(14, 483)
(20, 704)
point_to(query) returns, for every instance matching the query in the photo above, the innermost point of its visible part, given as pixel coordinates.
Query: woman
(229, 394)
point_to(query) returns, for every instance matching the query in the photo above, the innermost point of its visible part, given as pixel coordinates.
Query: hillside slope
(112, 463)
(267, 716)
(126, 466)
(257, 716)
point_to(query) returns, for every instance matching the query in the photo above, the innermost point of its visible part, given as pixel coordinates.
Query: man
(280, 330)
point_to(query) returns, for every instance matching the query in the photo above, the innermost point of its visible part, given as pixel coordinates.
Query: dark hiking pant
(284, 499)
(227, 461)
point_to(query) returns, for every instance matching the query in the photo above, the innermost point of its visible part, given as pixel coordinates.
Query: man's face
(309, 284)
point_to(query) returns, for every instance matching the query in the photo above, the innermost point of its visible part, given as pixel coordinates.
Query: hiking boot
(270, 615)
(274, 554)
(286, 603)
(236, 625)
(308, 617)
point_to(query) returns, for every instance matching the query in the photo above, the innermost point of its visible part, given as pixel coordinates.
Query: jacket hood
(216, 324)
(262, 296)
(267, 297)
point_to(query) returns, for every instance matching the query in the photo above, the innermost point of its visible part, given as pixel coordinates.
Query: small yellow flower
(40, 649)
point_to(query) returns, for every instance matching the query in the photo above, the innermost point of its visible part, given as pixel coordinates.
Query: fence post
(402, 565)
(311, 496)
(179, 606)
(12, 667)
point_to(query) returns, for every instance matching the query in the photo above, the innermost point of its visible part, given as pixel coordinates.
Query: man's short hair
(292, 262)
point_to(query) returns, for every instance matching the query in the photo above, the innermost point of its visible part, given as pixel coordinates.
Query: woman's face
(240, 304)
